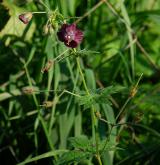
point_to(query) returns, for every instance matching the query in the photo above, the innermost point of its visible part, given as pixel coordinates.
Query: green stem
(30, 84)
(123, 107)
(129, 98)
(37, 105)
(87, 91)
(39, 12)
(93, 117)
(81, 73)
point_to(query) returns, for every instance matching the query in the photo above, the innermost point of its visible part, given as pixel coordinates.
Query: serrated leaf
(83, 149)
(78, 142)
(73, 156)
(82, 143)
(86, 100)
(110, 90)
(99, 96)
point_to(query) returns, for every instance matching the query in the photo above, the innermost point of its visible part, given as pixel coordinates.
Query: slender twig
(81, 73)
(147, 56)
(107, 139)
(30, 84)
(39, 12)
(123, 107)
(38, 108)
(131, 95)
(27, 114)
(89, 12)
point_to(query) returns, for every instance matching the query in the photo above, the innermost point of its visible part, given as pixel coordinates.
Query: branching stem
(93, 117)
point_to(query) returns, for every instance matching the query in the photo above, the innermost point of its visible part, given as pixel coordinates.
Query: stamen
(69, 37)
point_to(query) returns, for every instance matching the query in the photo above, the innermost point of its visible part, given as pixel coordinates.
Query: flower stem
(39, 12)
(93, 117)
(84, 82)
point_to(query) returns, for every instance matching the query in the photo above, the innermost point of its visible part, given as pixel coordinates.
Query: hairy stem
(93, 117)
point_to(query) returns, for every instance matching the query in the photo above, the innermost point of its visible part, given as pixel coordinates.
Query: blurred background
(33, 120)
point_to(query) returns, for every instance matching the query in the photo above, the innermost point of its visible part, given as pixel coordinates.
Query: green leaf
(73, 156)
(99, 96)
(82, 143)
(110, 90)
(83, 149)
(42, 156)
(14, 26)
(86, 100)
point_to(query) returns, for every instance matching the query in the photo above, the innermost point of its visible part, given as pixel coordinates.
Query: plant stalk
(93, 117)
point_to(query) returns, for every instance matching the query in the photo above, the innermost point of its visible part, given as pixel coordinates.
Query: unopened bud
(133, 92)
(98, 115)
(26, 17)
(48, 66)
(45, 29)
(28, 90)
(47, 104)
(51, 30)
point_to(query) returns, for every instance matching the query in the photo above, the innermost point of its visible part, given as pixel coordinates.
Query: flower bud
(45, 29)
(47, 66)
(26, 17)
(98, 115)
(133, 92)
(47, 104)
(28, 90)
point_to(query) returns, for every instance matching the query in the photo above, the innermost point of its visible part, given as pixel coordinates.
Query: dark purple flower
(70, 35)
(26, 17)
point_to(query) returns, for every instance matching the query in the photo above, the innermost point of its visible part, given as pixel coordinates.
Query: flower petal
(61, 37)
(78, 36)
(72, 44)
(26, 17)
(70, 35)
(70, 28)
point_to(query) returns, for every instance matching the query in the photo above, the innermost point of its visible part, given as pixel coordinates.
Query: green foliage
(42, 156)
(99, 96)
(83, 149)
(44, 85)
(17, 28)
